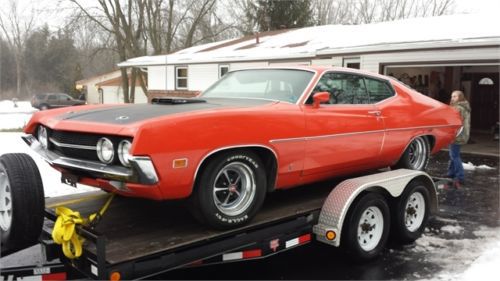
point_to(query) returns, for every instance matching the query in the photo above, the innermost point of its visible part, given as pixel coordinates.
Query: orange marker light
(330, 235)
(115, 276)
(180, 163)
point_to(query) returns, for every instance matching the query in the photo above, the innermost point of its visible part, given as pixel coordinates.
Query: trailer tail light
(115, 276)
(330, 235)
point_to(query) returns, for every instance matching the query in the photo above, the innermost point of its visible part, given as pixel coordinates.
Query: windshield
(274, 84)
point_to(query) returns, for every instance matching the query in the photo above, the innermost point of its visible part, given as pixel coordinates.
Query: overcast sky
(50, 10)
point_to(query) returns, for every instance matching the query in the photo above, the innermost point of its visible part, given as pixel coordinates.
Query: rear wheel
(21, 202)
(230, 190)
(416, 155)
(366, 227)
(411, 213)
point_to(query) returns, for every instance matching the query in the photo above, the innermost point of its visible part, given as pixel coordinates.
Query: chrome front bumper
(141, 171)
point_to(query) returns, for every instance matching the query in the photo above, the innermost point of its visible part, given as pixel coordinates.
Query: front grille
(82, 144)
(75, 138)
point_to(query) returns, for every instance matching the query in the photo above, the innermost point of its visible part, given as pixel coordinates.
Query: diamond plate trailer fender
(339, 201)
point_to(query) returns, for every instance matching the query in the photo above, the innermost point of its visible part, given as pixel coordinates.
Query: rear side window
(378, 90)
(344, 88)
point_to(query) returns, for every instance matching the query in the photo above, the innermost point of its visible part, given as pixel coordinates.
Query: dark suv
(50, 100)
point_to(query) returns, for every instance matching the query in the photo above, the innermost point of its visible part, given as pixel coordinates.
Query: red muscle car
(254, 131)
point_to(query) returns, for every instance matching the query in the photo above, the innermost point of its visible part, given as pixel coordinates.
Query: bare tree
(368, 11)
(16, 24)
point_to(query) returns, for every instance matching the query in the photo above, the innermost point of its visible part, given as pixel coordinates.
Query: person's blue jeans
(455, 167)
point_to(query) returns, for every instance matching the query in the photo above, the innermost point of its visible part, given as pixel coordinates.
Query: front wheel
(230, 190)
(411, 213)
(366, 227)
(416, 155)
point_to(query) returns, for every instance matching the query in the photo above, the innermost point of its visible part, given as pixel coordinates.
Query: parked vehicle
(54, 100)
(252, 132)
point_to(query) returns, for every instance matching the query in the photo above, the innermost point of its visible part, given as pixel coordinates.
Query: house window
(181, 78)
(223, 69)
(352, 63)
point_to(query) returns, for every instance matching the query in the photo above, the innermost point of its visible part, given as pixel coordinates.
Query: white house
(107, 88)
(434, 55)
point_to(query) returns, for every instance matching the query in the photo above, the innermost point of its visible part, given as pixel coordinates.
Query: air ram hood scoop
(176, 101)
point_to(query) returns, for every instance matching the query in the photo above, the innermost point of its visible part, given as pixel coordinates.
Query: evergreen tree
(279, 14)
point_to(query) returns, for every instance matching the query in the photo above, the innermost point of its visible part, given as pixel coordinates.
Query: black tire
(410, 213)
(371, 241)
(416, 155)
(44, 106)
(20, 180)
(235, 202)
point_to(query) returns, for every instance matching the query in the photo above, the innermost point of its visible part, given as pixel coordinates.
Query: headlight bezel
(103, 143)
(124, 156)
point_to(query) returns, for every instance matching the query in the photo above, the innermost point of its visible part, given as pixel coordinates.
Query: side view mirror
(320, 97)
(68, 98)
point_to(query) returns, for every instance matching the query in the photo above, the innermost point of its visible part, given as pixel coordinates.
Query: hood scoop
(174, 101)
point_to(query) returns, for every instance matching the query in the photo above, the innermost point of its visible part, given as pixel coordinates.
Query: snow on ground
(14, 115)
(454, 255)
(471, 167)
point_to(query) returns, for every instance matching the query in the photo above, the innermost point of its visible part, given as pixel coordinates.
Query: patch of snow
(471, 167)
(452, 229)
(455, 256)
(14, 115)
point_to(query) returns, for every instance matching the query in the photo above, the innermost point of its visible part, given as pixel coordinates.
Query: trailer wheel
(416, 155)
(230, 190)
(21, 202)
(411, 212)
(366, 227)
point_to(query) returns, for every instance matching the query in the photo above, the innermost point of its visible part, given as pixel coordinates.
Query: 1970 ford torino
(252, 132)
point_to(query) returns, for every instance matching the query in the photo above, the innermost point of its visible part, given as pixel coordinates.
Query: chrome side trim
(232, 147)
(357, 133)
(76, 146)
(142, 170)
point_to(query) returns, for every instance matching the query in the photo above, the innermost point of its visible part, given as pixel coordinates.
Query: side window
(52, 98)
(343, 88)
(378, 90)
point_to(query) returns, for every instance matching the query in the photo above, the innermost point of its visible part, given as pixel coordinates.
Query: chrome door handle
(375, 113)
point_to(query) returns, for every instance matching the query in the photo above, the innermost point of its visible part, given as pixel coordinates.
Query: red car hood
(125, 119)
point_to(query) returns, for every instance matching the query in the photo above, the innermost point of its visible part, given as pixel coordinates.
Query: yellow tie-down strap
(64, 232)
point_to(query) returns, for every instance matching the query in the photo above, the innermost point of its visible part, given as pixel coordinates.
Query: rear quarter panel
(412, 114)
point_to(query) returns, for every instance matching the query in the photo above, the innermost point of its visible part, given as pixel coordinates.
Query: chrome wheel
(414, 211)
(5, 201)
(418, 153)
(234, 188)
(370, 228)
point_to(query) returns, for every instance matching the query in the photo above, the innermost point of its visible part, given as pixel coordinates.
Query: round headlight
(124, 152)
(105, 150)
(43, 136)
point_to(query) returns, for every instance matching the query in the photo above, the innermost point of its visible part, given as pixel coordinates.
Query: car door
(346, 133)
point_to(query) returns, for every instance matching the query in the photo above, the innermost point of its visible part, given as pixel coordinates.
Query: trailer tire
(230, 190)
(22, 202)
(416, 156)
(410, 213)
(366, 227)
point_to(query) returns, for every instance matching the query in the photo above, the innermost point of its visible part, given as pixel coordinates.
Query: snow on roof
(309, 42)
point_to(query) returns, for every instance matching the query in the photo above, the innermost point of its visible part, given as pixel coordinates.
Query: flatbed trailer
(137, 239)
